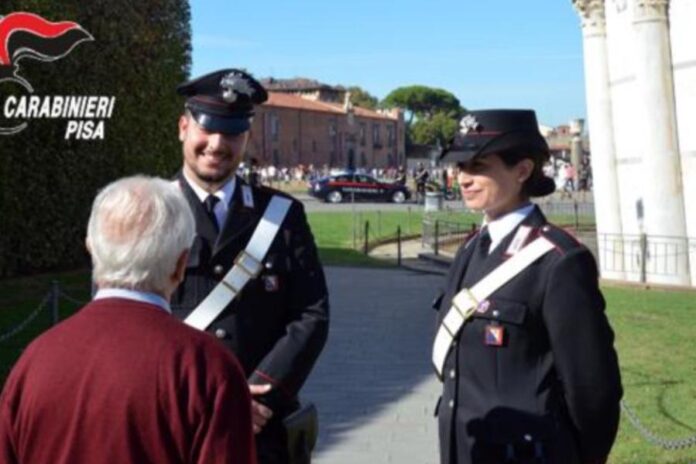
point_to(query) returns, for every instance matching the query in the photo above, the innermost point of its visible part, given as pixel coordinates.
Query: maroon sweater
(125, 382)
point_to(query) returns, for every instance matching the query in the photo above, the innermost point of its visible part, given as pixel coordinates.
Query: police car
(359, 187)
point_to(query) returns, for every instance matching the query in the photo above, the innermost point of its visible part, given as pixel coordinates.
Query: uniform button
(452, 373)
(450, 403)
(220, 333)
(496, 313)
(268, 264)
(546, 228)
(218, 269)
(528, 437)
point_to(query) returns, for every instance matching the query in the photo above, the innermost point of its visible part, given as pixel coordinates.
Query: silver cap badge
(468, 124)
(232, 85)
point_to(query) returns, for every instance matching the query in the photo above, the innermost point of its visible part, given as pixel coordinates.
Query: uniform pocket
(501, 310)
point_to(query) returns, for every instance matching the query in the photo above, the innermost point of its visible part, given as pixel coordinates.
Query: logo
(29, 36)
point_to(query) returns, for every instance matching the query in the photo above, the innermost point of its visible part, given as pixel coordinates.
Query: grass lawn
(654, 330)
(340, 236)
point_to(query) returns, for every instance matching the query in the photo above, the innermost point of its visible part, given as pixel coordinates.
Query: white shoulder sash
(247, 266)
(465, 302)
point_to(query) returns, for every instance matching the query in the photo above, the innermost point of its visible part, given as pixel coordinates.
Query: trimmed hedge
(141, 51)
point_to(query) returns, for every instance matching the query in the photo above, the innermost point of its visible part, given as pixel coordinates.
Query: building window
(375, 136)
(275, 126)
(390, 136)
(362, 133)
(314, 146)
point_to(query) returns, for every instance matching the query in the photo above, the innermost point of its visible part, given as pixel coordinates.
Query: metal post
(367, 236)
(355, 238)
(398, 245)
(379, 223)
(436, 243)
(577, 219)
(643, 255)
(55, 295)
(408, 223)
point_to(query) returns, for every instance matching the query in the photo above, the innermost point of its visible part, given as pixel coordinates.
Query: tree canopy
(439, 129)
(424, 102)
(433, 114)
(362, 98)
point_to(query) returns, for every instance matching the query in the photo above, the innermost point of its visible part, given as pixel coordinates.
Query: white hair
(138, 228)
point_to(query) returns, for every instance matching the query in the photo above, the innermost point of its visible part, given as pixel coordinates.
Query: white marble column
(601, 130)
(664, 223)
(682, 17)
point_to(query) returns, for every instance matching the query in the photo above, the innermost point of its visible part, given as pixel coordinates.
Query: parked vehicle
(358, 187)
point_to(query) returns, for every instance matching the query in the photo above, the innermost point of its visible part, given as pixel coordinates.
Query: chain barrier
(71, 299)
(45, 303)
(22, 325)
(651, 437)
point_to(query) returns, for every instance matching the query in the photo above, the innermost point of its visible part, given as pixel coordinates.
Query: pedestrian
(122, 380)
(421, 178)
(253, 278)
(254, 175)
(524, 348)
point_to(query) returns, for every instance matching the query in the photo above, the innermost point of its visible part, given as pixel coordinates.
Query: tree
(362, 98)
(433, 114)
(439, 129)
(423, 102)
(140, 52)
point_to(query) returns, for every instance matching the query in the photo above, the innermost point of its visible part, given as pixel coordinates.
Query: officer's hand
(260, 414)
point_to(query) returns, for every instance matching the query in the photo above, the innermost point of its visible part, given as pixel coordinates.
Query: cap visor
(458, 156)
(229, 126)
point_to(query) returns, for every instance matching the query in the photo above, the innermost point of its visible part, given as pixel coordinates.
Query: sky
(488, 53)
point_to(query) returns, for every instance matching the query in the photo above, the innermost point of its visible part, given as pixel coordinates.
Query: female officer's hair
(138, 228)
(537, 185)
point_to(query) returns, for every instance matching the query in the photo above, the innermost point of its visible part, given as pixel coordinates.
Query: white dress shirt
(135, 295)
(502, 226)
(224, 194)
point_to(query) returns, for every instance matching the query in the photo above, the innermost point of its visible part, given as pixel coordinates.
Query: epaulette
(561, 238)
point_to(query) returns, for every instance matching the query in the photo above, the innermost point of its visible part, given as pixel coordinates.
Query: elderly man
(123, 381)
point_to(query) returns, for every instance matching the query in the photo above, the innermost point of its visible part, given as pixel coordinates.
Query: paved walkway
(374, 385)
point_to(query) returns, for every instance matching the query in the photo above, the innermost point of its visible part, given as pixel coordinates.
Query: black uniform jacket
(553, 387)
(278, 324)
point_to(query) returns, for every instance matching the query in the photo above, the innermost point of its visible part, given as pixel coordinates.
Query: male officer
(524, 348)
(276, 320)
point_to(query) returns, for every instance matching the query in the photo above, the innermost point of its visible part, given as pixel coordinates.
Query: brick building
(317, 125)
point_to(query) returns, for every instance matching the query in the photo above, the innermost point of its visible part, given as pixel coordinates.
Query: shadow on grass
(663, 388)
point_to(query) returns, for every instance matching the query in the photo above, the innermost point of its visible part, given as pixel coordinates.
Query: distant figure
(421, 179)
(123, 381)
(254, 176)
(401, 176)
(568, 178)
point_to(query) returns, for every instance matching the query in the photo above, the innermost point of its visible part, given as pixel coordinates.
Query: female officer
(529, 374)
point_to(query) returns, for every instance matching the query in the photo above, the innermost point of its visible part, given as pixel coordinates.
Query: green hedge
(141, 51)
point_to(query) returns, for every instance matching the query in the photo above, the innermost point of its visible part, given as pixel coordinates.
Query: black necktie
(483, 245)
(478, 257)
(209, 205)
